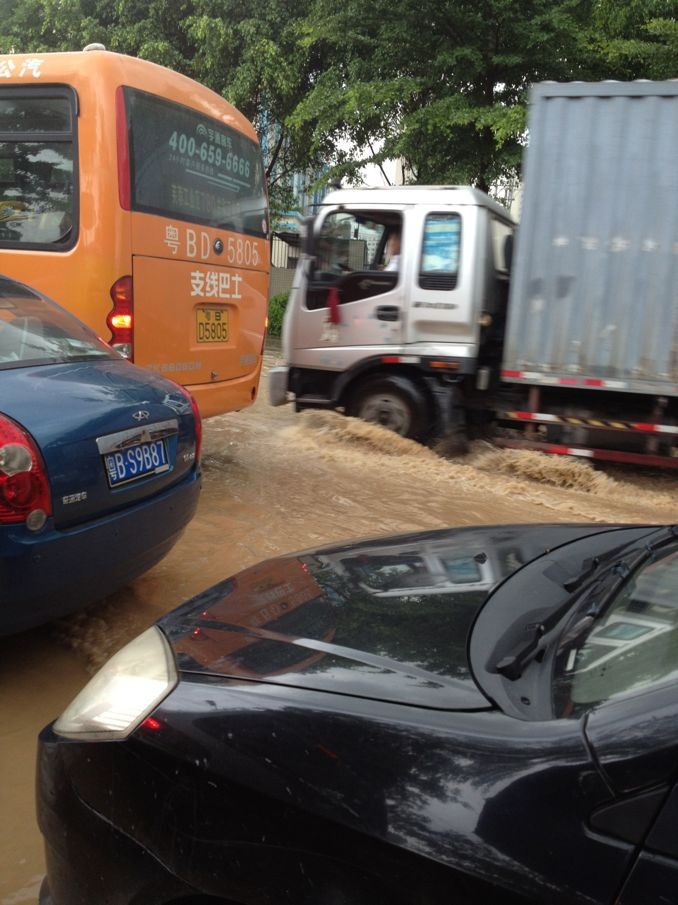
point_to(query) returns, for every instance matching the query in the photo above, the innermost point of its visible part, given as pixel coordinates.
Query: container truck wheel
(392, 401)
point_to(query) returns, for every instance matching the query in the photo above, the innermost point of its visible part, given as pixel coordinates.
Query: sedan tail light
(24, 485)
(120, 319)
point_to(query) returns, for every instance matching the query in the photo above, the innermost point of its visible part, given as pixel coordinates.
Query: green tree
(153, 30)
(444, 84)
(252, 54)
(255, 55)
(637, 39)
(441, 84)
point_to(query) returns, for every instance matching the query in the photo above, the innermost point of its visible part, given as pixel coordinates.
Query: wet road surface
(275, 482)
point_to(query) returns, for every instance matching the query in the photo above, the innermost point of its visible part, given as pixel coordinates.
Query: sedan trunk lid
(78, 413)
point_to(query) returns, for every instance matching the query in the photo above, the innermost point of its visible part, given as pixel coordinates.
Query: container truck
(562, 338)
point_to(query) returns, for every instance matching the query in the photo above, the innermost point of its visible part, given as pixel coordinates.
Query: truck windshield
(350, 241)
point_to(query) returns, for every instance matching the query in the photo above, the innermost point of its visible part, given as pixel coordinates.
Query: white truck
(576, 353)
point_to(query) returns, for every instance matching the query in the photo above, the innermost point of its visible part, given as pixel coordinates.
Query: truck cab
(390, 337)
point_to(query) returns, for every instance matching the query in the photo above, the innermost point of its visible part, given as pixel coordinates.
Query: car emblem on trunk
(141, 416)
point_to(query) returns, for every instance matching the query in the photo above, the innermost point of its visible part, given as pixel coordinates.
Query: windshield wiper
(513, 664)
(603, 591)
(590, 566)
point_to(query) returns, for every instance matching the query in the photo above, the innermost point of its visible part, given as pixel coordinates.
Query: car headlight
(124, 691)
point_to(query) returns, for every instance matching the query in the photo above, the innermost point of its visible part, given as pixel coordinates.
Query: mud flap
(449, 435)
(278, 380)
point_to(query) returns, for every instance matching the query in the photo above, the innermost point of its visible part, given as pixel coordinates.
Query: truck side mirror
(508, 252)
(308, 236)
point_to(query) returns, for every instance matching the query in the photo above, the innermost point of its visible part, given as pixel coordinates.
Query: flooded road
(276, 482)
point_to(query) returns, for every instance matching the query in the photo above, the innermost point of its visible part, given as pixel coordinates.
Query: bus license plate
(138, 461)
(211, 325)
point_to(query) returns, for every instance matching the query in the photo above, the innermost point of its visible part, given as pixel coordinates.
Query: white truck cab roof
(414, 194)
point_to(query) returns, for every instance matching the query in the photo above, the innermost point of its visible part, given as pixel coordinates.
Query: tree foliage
(277, 305)
(440, 84)
(444, 84)
(253, 55)
(637, 39)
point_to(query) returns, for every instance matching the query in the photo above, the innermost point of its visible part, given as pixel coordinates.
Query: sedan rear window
(35, 331)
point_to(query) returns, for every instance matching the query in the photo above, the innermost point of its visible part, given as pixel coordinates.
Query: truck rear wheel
(392, 401)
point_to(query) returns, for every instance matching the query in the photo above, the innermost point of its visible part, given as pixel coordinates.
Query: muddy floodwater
(275, 482)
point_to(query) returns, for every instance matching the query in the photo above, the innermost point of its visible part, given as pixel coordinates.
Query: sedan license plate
(211, 325)
(136, 462)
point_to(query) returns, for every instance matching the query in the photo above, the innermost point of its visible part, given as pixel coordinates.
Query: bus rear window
(190, 167)
(37, 154)
(35, 114)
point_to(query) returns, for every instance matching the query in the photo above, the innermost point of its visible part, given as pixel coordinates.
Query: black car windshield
(35, 331)
(634, 644)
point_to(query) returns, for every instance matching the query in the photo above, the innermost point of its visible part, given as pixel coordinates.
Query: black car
(482, 715)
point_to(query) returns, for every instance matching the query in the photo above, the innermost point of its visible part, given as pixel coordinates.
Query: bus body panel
(112, 242)
(216, 308)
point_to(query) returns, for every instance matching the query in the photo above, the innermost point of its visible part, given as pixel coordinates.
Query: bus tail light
(24, 485)
(120, 319)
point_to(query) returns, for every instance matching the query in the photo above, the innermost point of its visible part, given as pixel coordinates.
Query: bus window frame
(49, 91)
(135, 207)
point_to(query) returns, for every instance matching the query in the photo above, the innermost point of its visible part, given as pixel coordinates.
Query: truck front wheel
(392, 401)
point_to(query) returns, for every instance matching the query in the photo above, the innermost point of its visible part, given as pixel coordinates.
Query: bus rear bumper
(226, 395)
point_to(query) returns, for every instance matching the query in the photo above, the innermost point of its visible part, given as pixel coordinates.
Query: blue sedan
(99, 463)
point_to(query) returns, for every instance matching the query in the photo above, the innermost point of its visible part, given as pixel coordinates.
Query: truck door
(446, 284)
(352, 283)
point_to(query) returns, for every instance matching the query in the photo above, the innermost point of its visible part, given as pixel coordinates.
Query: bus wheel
(392, 401)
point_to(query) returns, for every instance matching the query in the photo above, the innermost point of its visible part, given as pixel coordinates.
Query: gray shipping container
(594, 288)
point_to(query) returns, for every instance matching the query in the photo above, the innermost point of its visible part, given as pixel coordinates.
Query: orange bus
(136, 198)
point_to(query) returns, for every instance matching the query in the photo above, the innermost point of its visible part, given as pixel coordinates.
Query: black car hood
(387, 619)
